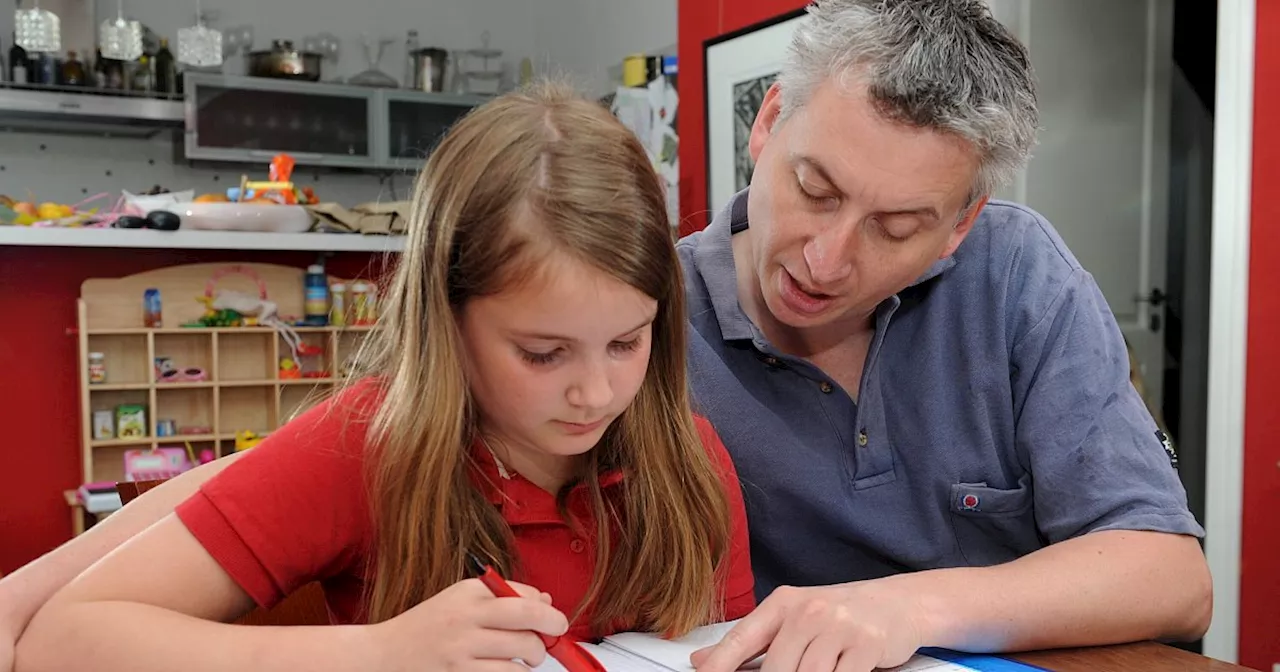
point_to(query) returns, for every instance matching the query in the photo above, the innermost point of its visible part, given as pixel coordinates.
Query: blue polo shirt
(995, 415)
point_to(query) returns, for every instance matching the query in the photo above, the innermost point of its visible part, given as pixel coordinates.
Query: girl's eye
(540, 358)
(626, 346)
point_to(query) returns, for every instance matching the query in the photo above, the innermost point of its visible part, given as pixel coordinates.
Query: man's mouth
(801, 299)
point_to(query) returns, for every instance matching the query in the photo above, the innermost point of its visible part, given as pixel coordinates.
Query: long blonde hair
(590, 187)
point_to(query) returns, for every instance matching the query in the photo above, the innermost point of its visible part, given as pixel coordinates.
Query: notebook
(644, 652)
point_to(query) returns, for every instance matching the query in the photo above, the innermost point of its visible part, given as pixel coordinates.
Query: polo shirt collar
(519, 500)
(714, 258)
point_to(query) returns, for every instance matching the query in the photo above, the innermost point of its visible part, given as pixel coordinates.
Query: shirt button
(862, 438)
(826, 387)
(577, 546)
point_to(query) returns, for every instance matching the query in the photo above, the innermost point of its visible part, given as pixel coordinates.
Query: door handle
(1156, 297)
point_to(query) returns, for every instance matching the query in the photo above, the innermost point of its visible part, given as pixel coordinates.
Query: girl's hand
(465, 627)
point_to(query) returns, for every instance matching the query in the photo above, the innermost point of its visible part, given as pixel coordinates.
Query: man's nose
(829, 255)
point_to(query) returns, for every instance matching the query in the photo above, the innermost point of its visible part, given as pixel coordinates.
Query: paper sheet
(645, 652)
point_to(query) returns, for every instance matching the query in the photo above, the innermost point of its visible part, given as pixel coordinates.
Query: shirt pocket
(992, 525)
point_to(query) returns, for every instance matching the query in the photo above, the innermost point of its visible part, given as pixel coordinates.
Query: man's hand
(852, 627)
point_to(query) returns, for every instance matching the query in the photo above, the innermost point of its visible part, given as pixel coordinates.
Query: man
(937, 440)
(926, 397)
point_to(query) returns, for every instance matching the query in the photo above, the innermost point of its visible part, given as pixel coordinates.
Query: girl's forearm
(132, 637)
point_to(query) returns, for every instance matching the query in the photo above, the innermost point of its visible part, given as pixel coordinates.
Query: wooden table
(1144, 657)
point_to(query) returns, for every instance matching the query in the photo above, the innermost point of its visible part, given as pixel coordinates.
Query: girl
(524, 399)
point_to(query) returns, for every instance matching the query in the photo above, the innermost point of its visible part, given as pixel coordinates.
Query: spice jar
(97, 368)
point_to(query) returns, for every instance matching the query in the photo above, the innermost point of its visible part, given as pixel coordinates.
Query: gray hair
(945, 65)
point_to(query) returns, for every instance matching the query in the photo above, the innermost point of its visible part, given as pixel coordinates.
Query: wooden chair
(305, 606)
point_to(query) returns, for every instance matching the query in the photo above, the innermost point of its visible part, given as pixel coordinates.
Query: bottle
(97, 368)
(316, 296)
(410, 67)
(151, 308)
(19, 66)
(338, 307)
(142, 77)
(166, 73)
(73, 73)
(360, 304)
(99, 71)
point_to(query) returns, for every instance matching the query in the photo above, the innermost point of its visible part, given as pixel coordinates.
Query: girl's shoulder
(714, 446)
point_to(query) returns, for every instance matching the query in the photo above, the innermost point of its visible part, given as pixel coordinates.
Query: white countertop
(197, 240)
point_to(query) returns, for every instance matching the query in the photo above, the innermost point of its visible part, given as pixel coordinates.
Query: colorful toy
(246, 439)
(155, 465)
(289, 369)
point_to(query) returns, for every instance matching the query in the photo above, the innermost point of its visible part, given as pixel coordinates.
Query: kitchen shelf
(251, 119)
(196, 240)
(61, 109)
(243, 391)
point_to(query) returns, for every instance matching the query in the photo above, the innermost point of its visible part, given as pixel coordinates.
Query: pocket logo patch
(1168, 448)
(970, 502)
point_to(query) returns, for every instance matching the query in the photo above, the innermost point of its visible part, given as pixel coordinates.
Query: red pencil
(574, 658)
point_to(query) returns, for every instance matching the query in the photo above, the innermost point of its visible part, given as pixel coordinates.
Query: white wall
(582, 38)
(578, 38)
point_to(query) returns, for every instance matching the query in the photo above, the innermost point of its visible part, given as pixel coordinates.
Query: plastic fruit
(211, 198)
(53, 211)
(24, 208)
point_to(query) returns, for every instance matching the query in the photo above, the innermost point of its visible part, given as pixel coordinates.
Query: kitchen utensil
(243, 217)
(373, 76)
(283, 61)
(428, 69)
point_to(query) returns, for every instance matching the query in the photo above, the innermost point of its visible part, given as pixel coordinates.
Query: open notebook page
(644, 652)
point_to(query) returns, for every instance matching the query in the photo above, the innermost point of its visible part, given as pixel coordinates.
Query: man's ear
(766, 119)
(964, 226)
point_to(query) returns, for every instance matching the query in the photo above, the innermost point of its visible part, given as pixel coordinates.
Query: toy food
(211, 198)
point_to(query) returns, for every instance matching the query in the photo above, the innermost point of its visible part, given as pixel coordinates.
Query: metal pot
(283, 61)
(428, 69)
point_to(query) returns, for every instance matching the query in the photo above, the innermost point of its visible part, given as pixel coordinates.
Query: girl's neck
(549, 472)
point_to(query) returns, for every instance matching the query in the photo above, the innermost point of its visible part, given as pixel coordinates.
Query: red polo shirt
(295, 510)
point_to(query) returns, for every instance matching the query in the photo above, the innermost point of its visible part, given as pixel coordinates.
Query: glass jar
(97, 368)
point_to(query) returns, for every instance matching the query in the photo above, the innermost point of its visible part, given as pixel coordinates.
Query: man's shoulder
(1018, 233)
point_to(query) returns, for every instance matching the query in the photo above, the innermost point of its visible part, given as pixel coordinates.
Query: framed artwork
(739, 67)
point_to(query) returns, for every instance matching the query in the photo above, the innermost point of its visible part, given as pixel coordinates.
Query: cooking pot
(283, 61)
(429, 68)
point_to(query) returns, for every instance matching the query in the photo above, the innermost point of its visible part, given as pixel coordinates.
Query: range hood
(68, 110)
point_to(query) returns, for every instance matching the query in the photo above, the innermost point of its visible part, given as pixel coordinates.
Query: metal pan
(283, 61)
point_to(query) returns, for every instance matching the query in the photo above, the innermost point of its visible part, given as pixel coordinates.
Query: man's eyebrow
(817, 167)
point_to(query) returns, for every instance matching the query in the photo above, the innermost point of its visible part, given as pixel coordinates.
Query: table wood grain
(1144, 656)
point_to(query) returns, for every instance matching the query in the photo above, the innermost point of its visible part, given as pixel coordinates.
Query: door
(1100, 171)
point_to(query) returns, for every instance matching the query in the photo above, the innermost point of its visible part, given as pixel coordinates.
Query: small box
(104, 426)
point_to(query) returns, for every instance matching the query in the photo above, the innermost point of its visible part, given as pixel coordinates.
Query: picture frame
(739, 67)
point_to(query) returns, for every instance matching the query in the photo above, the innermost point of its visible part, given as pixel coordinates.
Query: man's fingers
(746, 640)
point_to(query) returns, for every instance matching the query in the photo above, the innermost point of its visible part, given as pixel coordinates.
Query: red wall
(1260, 551)
(39, 395)
(700, 20)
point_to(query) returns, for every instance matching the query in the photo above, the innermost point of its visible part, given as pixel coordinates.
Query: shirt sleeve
(739, 587)
(1098, 460)
(294, 509)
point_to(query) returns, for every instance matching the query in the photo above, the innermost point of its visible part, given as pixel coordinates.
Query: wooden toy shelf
(232, 377)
